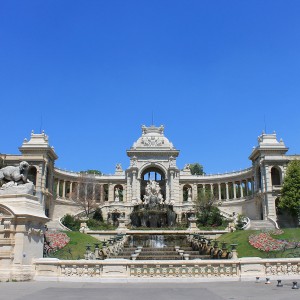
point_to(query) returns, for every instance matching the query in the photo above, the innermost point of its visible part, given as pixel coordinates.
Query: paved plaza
(147, 291)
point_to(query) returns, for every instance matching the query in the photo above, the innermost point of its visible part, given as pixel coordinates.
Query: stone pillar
(227, 191)
(111, 192)
(85, 190)
(219, 191)
(134, 198)
(57, 188)
(168, 190)
(22, 236)
(71, 190)
(234, 190)
(77, 185)
(212, 189)
(64, 190)
(241, 189)
(94, 185)
(195, 194)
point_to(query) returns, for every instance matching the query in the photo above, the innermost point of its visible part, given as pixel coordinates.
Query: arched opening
(97, 192)
(258, 173)
(105, 192)
(187, 193)
(32, 174)
(156, 175)
(118, 192)
(275, 175)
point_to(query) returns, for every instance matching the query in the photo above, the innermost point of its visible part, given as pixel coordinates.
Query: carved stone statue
(118, 168)
(15, 174)
(117, 195)
(186, 167)
(189, 198)
(15, 179)
(153, 195)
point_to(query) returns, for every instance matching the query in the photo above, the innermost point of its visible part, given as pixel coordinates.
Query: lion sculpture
(15, 174)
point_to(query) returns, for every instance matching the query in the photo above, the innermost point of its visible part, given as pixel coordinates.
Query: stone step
(54, 225)
(261, 225)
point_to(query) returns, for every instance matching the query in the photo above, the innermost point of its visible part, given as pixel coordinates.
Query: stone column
(241, 189)
(57, 188)
(64, 190)
(101, 194)
(71, 190)
(85, 191)
(227, 191)
(234, 190)
(77, 185)
(171, 186)
(247, 187)
(219, 191)
(94, 191)
(195, 194)
(134, 186)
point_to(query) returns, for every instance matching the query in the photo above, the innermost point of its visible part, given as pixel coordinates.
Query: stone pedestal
(193, 223)
(22, 226)
(122, 227)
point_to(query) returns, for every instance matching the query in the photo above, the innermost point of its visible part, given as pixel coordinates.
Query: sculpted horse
(15, 174)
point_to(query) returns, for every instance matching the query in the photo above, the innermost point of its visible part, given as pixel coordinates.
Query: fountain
(153, 211)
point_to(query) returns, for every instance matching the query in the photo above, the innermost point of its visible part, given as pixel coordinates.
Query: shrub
(210, 217)
(98, 215)
(71, 222)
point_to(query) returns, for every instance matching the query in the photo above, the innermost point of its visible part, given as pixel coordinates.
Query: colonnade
(100, 192)
(222, 190)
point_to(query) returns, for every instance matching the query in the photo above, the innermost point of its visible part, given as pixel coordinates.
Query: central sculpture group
(153, 211)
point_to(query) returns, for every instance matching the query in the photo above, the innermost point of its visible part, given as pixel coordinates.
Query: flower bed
(263, 241)
(57, 239)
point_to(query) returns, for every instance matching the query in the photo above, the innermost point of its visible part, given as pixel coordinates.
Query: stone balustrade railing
(237, 269)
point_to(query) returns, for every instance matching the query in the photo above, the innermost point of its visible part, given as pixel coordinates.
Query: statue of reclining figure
(16, 174)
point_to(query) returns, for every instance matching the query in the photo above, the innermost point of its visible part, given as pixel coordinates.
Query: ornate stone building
(252, 192)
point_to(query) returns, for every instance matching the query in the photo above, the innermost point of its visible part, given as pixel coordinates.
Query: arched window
(275, 175)
(187, 193)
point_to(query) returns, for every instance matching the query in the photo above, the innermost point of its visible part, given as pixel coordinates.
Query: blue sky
(90, 73)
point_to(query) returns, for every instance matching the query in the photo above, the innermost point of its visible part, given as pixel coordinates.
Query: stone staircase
(54, 225)
(261, 225)
(165, 253)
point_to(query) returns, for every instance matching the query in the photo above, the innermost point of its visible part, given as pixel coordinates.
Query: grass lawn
(76, 248)
(244, 249)
(290, 234)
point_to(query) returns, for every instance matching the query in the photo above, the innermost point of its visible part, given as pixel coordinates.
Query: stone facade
(252, 192)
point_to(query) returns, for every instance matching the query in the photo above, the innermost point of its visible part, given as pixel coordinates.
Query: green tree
(196, 169)
(290, 192)
(206, 212)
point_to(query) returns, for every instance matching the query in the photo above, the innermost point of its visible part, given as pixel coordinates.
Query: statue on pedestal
(15, 180)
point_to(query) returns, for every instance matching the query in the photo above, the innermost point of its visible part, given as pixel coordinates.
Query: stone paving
(147, 291)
